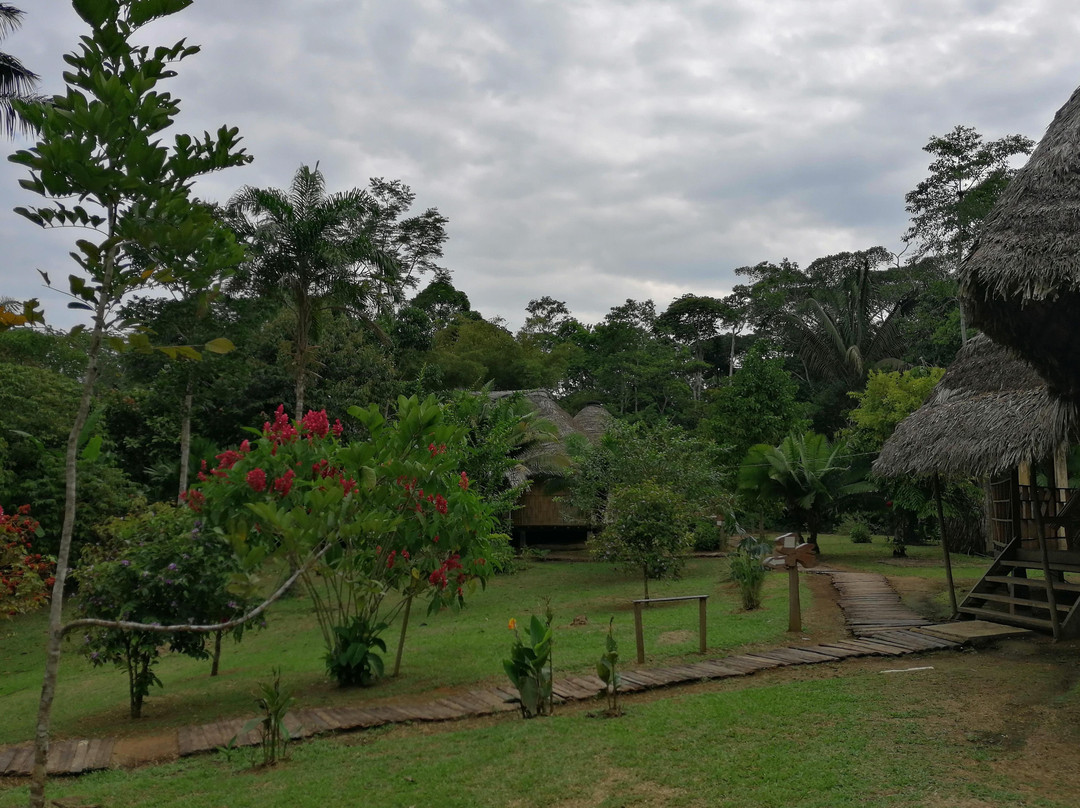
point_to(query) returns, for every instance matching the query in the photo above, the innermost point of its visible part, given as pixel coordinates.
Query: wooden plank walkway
(881, 624)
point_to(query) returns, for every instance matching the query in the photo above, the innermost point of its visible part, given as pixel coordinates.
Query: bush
(647, 528)
(858, 532)
(160, 567)
(746, 568)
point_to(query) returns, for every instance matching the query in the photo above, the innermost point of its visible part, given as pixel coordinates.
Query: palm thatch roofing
(990, 412)
(550, 458)
(593, 421)
(1021, 282)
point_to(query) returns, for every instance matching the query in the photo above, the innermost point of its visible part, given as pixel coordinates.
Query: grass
(817, 737)
(447, 650)
(860, 740)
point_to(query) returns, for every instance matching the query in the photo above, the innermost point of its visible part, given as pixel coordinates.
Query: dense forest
(341, 300)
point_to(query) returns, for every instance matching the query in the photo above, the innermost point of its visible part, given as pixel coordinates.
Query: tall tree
(311, 249)
(17, 83)
(694, 321)
(967, 175)
(103, 170)
(847, 325)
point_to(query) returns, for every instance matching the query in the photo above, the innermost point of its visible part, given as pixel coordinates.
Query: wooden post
(1061, 484)
(794, 621)
(945, 544)
(639, 635)
(1051, 598)
(701, 624)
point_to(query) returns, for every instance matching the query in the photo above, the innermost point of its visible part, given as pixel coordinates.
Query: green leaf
(221, 345)
(95, 12)
(92, 450)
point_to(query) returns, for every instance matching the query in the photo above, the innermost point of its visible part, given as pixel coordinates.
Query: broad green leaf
(221, 345)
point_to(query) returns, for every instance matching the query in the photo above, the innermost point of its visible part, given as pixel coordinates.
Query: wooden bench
(639, 635)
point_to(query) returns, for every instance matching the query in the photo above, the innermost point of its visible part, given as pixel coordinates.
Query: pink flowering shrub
(392, 513)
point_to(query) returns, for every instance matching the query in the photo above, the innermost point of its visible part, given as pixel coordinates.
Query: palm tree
(16, 82)
(810, 475)
(850, 327)
(309, 249)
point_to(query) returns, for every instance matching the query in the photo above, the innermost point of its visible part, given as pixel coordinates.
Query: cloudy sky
(593, 150)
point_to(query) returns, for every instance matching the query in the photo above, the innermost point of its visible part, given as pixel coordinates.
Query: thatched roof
(1021, 282)
(593, 421)
(990, 412)
(546, 459)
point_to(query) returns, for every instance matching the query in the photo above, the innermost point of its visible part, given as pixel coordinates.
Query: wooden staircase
(1013, 591)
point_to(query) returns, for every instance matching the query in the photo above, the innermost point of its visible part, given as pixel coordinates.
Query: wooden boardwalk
(881, 624)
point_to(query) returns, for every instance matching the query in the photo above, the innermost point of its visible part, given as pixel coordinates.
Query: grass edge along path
(895, 632)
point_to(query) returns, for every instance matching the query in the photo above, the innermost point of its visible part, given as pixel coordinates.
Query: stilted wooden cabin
(1021, 285)
(992, 417)
(541, 518)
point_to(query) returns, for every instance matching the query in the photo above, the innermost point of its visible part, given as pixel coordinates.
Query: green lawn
(445, 650)
(862, 739)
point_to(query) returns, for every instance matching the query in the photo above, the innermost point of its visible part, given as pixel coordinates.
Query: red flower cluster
(316, 424)
(440, 578)
(436, 450)
(440, 504)
(282, 430)
(256, 480)
(283, 484)
(463, 483)
(337, 428)
(25, 578)
(194, 499)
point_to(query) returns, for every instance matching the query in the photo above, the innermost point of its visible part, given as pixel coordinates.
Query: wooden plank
(56, 751)
(775, 659)
(809, 657)
(875, 647)
(99, 754)
(491, 699)
(745, 664)
(631, 682)
(847, 651)
(23, 762)
(830, 654)
(718, 670)
(62, 754)
(80, 750)
(7, 754)
(215, 735)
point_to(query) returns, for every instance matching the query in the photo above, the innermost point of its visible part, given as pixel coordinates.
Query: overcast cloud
(593, 150)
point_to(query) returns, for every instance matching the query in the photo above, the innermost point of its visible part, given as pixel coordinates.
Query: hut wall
(1006, 495)
(540, 509)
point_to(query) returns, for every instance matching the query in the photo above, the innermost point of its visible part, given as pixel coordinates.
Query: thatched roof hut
(990, 412)
(1021, 282)
(593, 421)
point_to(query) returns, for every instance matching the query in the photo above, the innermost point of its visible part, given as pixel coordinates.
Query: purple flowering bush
(157, 566)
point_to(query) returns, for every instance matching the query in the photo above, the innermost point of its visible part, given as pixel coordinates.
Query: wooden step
(1059, 586)
(1034, 604)
(994, 616)
(1037, 565)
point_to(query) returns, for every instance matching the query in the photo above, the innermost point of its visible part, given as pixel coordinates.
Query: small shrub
(274, 702)
(529, 667)
(354, 660)
(858, 532)
(746, 568)
(606, 669)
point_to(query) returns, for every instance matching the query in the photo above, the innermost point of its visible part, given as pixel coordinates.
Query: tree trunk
(185, 439)
(56, 607)
(214, 666)
(401, 639)
(303, 327)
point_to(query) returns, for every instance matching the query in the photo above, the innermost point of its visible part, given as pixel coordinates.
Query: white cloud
(597, 150)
